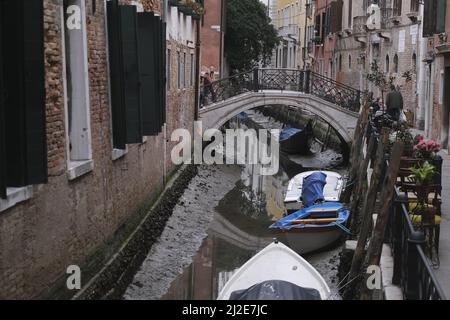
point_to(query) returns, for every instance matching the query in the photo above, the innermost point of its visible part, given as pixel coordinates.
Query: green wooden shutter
(158, 61)
(36, 137)
(441, 13)
(163, 71)
(128, 17)
(2, 116)
(147, 39)
(429, 19)
(26, 152)
(118, 114)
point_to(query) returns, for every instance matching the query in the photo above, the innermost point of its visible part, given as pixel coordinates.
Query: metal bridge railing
(304, 81)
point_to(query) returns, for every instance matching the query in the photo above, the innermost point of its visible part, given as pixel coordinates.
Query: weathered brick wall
(65, 222)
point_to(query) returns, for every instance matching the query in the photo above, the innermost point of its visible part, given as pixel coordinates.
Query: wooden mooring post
(387, 193)
(368, 206)
(356, 150)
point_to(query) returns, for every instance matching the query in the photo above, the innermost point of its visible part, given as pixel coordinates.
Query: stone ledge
(79, 168)
(15, 196)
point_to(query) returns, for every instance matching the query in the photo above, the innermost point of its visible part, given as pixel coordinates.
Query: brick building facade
(46, 227)
(212, 34)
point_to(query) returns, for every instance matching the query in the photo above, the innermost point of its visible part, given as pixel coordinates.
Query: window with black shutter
(137, 73)
(2, 118)
(23, 159)
(429, 19)
(336, 16)
(441, 15)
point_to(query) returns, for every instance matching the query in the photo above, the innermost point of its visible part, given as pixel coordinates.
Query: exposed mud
(184, 233)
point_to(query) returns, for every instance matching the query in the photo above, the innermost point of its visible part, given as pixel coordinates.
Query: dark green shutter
(26, 153)
(36, 137)
(158, 59)
(116, 76)
(2, 116)
(163, 71)
(147, 72)
(128, 17)
(429, 20)
(441, 13)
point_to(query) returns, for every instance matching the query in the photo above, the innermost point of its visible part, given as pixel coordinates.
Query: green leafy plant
(424, 174)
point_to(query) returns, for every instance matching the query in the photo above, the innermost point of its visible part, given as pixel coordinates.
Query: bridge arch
(342, 120)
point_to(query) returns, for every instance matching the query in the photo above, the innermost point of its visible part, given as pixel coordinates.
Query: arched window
(387, 64)
(414, 62)
(396, 63)
(349, 62)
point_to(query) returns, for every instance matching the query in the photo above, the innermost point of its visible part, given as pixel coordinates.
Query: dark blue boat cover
(276, 290)
(312, 189)
(286, 133)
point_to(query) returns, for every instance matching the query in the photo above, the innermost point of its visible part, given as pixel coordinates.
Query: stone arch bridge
(336, 103)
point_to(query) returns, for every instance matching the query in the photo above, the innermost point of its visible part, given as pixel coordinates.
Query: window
(184, 69)
(396, 64)
(349, 62)
(414, 63)
(350, 10)
(179, 69)
(397, 8)
(168, 68)
(387, 64)
(434, 17)
(414, 6)
(77, 104)
(23, 149)
(340, 62)
(192, 69)
(137, 53)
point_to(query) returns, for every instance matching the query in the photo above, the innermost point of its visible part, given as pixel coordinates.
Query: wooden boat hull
(307, 241)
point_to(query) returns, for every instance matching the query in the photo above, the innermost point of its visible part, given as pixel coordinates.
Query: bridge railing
(304, 81)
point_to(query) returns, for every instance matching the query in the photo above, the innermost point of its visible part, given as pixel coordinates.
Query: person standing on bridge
(394, 103)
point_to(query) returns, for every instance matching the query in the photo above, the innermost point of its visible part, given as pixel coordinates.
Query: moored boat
(315, 227)
(332, 186)
(296, 141)
(276, 273)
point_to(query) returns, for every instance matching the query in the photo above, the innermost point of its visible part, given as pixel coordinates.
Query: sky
(264, 1)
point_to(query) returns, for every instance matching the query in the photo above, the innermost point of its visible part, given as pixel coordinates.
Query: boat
(276, 273)
(313, 228)
(296, 141)
(332, 189)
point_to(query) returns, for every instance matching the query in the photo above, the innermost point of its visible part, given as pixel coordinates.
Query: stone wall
(68, 222)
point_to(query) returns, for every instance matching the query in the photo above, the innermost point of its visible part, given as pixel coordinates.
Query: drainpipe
(420, 119)
(197, 70)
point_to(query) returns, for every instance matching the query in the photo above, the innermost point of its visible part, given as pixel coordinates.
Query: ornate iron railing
(412, 269)
(340, 94)
(304, 81)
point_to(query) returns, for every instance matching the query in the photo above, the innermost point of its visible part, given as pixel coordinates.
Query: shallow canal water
(220, 223)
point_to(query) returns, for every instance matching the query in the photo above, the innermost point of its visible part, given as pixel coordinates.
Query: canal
(221, 221)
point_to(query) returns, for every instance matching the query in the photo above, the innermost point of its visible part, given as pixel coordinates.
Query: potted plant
(424, 176)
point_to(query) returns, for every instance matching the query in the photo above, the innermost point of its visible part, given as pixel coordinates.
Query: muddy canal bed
(215, 228)
(220, 222)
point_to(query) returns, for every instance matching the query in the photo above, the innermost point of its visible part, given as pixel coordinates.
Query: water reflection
(240, 226)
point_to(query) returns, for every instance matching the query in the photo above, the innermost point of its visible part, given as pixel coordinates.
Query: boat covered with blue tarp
(295, 140)
(314, 227)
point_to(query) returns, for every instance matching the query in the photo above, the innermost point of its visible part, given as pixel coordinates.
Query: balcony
(386, 23)
(289, 31)
(360, 29)
(413, 14)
